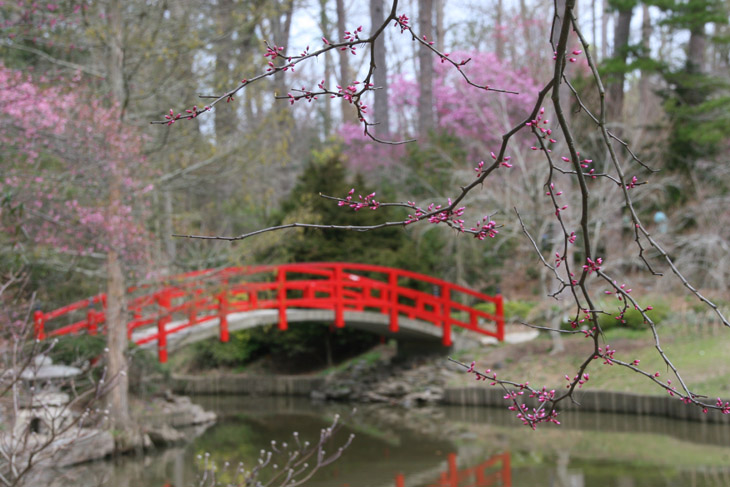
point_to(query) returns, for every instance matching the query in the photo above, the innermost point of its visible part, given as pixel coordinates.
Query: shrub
(77, 349)
(514, 311)
(632, 318)
(242, 347)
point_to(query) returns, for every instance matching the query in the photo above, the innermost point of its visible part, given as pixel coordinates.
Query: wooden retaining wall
(245, 385)
(594, 401)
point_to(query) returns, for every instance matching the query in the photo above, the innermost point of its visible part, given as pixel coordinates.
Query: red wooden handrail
(198, 297)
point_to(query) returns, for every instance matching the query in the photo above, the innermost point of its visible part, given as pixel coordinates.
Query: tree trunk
(425, 64)
(594, 23)
(345, 75)
(116, 324)
(170, 246)
(115, 319)
(327, 110)
(223, 116)
(604, 29)
(620, 52)
(498, 36)
(380, 76)
(281, 27)
(696, 50)
(645, 39)
(440, 31)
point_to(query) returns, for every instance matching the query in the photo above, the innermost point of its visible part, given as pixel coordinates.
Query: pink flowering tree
(521, 124)
(61, 152)
(72, 179)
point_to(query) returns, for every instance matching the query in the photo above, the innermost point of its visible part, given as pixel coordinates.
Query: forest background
(90, 193)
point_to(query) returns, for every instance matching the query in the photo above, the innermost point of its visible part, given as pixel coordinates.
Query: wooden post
(339, 297)
(164, 301)
(91, 322)
(39, 322)
(281, 295)
(393, 297)
(223, 315)
(446, 315)
(499, 308)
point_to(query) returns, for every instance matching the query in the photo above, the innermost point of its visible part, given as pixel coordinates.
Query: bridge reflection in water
(493, 472)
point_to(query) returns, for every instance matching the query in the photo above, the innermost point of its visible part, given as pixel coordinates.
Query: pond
(438, 447)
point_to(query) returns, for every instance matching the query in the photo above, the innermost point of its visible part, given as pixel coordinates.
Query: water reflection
(492, 472)
(441, 447)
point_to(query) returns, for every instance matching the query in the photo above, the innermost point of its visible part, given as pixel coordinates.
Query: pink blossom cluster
(352, 36)
(485, 228)
(402, 22)
(580, 379)
(363, 202)
(67, 202)
(436, 215)
(592, 265)
(606, 353)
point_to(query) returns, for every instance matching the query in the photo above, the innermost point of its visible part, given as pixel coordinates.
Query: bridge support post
(39, 324)
(499, 309)
(339, 301)
(281, 296)
(223, 316)
(446, 315)
(393, 299)
(164, 301)
(91, 322)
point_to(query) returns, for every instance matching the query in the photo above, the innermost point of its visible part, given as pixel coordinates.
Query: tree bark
(281, 27)
(696, 49)
(115, 319)
(604, 29)
(440, 31)
(223, 117)
(345, 75)
(381, 110)
(620, 46)
(645, 39)
(498, 37)
(327, 110)
(425, 64)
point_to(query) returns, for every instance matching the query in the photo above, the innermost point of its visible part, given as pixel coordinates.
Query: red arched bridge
(200, 304)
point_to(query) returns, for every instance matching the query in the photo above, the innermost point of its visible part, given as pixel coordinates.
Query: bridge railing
(199, 297)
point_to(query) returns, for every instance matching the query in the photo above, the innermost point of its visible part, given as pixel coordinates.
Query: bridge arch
(214, 302)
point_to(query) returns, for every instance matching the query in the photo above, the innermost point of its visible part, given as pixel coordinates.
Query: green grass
(701, 359)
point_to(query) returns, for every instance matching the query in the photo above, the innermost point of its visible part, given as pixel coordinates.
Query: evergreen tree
(697, 101)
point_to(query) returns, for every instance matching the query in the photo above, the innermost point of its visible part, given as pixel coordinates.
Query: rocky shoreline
(416, 383)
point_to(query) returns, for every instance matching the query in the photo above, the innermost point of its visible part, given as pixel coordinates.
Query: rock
(79, 446)
(394, 388)
(318, 396)
(182, 412)
(372, 396)
(165, 435)
(339, 393)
